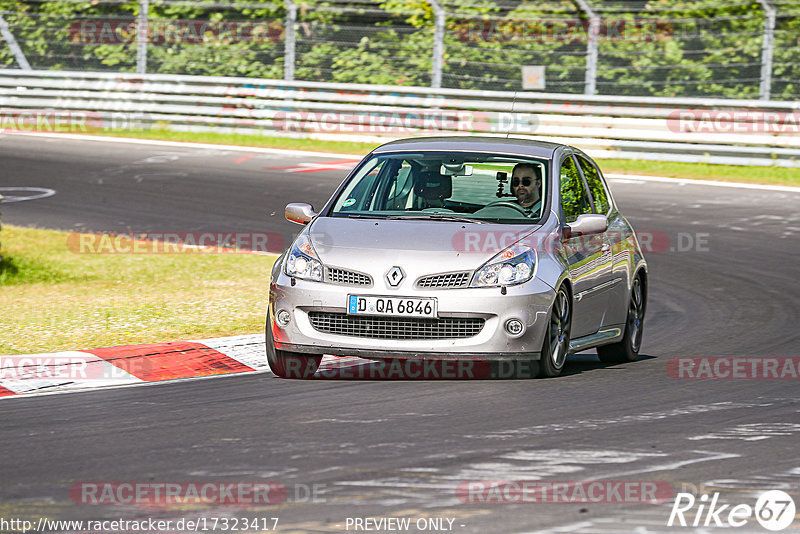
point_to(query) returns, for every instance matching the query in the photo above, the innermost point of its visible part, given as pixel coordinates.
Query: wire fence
(693, 48)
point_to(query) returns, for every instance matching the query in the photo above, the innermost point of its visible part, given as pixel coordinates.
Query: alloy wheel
(636, 315)
(559, 329)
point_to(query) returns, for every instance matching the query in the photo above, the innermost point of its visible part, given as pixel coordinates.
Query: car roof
(500, 145)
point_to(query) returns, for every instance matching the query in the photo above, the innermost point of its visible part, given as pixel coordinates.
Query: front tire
(556, 340)
(627, 349)
(287, 364)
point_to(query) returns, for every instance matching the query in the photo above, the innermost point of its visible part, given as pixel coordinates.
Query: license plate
(395, 306)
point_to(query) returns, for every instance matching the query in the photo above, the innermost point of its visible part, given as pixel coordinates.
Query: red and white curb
(130, 365)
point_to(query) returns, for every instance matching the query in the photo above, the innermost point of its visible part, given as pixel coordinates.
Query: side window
(574, 199)
(595, 186)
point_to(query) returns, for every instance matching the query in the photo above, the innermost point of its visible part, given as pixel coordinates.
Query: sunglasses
(526, 181)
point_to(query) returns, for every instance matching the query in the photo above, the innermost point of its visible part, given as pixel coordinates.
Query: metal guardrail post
(5, 31)
(141, 37)
(289, 41)
(438, 44)
(766, 50)
(591, 47)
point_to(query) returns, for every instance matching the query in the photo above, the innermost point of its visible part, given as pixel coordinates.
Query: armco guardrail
(745, 132)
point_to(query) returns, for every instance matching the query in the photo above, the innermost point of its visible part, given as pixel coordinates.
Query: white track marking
(154, 142)
(637, 178)
(36, 193)
(752, 432)
(612, 176)
(593, 424)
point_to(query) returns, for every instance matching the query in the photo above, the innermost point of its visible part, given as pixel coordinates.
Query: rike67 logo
(774, 510)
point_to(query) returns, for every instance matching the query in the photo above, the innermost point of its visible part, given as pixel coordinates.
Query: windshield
(446, 186)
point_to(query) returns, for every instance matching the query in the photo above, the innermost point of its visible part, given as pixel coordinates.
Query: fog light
(514, 327)
(282, 318)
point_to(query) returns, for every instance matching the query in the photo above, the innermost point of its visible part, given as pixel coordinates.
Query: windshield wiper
(437, 217)
(362, 216)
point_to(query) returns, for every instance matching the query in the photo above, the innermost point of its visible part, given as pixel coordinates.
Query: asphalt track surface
(378, 448)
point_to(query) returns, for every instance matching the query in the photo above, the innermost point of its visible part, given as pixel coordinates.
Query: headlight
(302, 261)
(512, 266)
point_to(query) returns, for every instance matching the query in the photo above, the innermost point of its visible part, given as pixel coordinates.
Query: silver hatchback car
(466, 248)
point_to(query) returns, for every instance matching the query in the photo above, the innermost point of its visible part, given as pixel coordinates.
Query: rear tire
(555, 347)
(627, 349)
(287, 364)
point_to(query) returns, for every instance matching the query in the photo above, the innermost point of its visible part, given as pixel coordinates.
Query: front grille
(334, 275)
(445, 280)
(395, 327)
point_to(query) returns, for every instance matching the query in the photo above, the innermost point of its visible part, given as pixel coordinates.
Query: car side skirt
(607, 335)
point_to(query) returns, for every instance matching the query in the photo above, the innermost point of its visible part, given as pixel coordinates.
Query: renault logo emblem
(395, 276)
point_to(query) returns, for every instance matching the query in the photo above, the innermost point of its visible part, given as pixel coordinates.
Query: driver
(526, 185)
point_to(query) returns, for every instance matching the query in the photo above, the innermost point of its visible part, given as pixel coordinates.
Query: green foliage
(652, 47)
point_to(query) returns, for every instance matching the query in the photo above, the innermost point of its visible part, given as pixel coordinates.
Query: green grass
(696, 171)
(55, 299)
(343, 147)
(705, 171)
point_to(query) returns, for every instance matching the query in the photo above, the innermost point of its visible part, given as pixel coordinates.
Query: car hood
(438, 246)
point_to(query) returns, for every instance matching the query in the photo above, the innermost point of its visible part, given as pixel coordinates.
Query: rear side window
(574, 200)
(595, 186)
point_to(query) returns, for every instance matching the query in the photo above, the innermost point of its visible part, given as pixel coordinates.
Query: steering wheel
(506, 204)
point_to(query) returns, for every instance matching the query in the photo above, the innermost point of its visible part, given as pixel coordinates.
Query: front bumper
(529, 302)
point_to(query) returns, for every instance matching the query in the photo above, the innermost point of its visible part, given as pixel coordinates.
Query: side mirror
(588, 223)
(299, 213)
